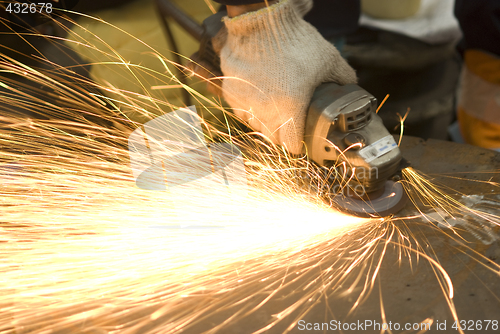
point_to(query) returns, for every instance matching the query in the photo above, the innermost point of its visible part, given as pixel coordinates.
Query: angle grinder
(343, 132)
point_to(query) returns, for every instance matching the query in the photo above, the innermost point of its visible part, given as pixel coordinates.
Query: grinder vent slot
(356, 116)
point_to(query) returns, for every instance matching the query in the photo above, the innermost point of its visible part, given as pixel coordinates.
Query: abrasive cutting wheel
(384, 202)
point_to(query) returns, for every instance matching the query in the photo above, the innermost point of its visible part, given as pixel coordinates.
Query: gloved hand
(272, 62)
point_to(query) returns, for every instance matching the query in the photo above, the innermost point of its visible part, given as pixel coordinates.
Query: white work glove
(272, 62)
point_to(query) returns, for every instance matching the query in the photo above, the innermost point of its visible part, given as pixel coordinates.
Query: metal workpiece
(408, 288)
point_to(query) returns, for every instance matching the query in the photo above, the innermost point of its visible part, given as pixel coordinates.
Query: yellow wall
(124, 45)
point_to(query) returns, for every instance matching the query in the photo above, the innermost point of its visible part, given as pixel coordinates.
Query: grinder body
(342, 126)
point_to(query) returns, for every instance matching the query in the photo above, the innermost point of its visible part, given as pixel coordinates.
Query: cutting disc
(384, 202)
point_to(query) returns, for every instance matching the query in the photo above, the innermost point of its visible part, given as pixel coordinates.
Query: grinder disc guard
(390, 200)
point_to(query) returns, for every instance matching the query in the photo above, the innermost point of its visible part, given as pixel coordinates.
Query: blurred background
(408, 51)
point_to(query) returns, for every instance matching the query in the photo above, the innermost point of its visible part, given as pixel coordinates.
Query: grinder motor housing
(342, 126)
